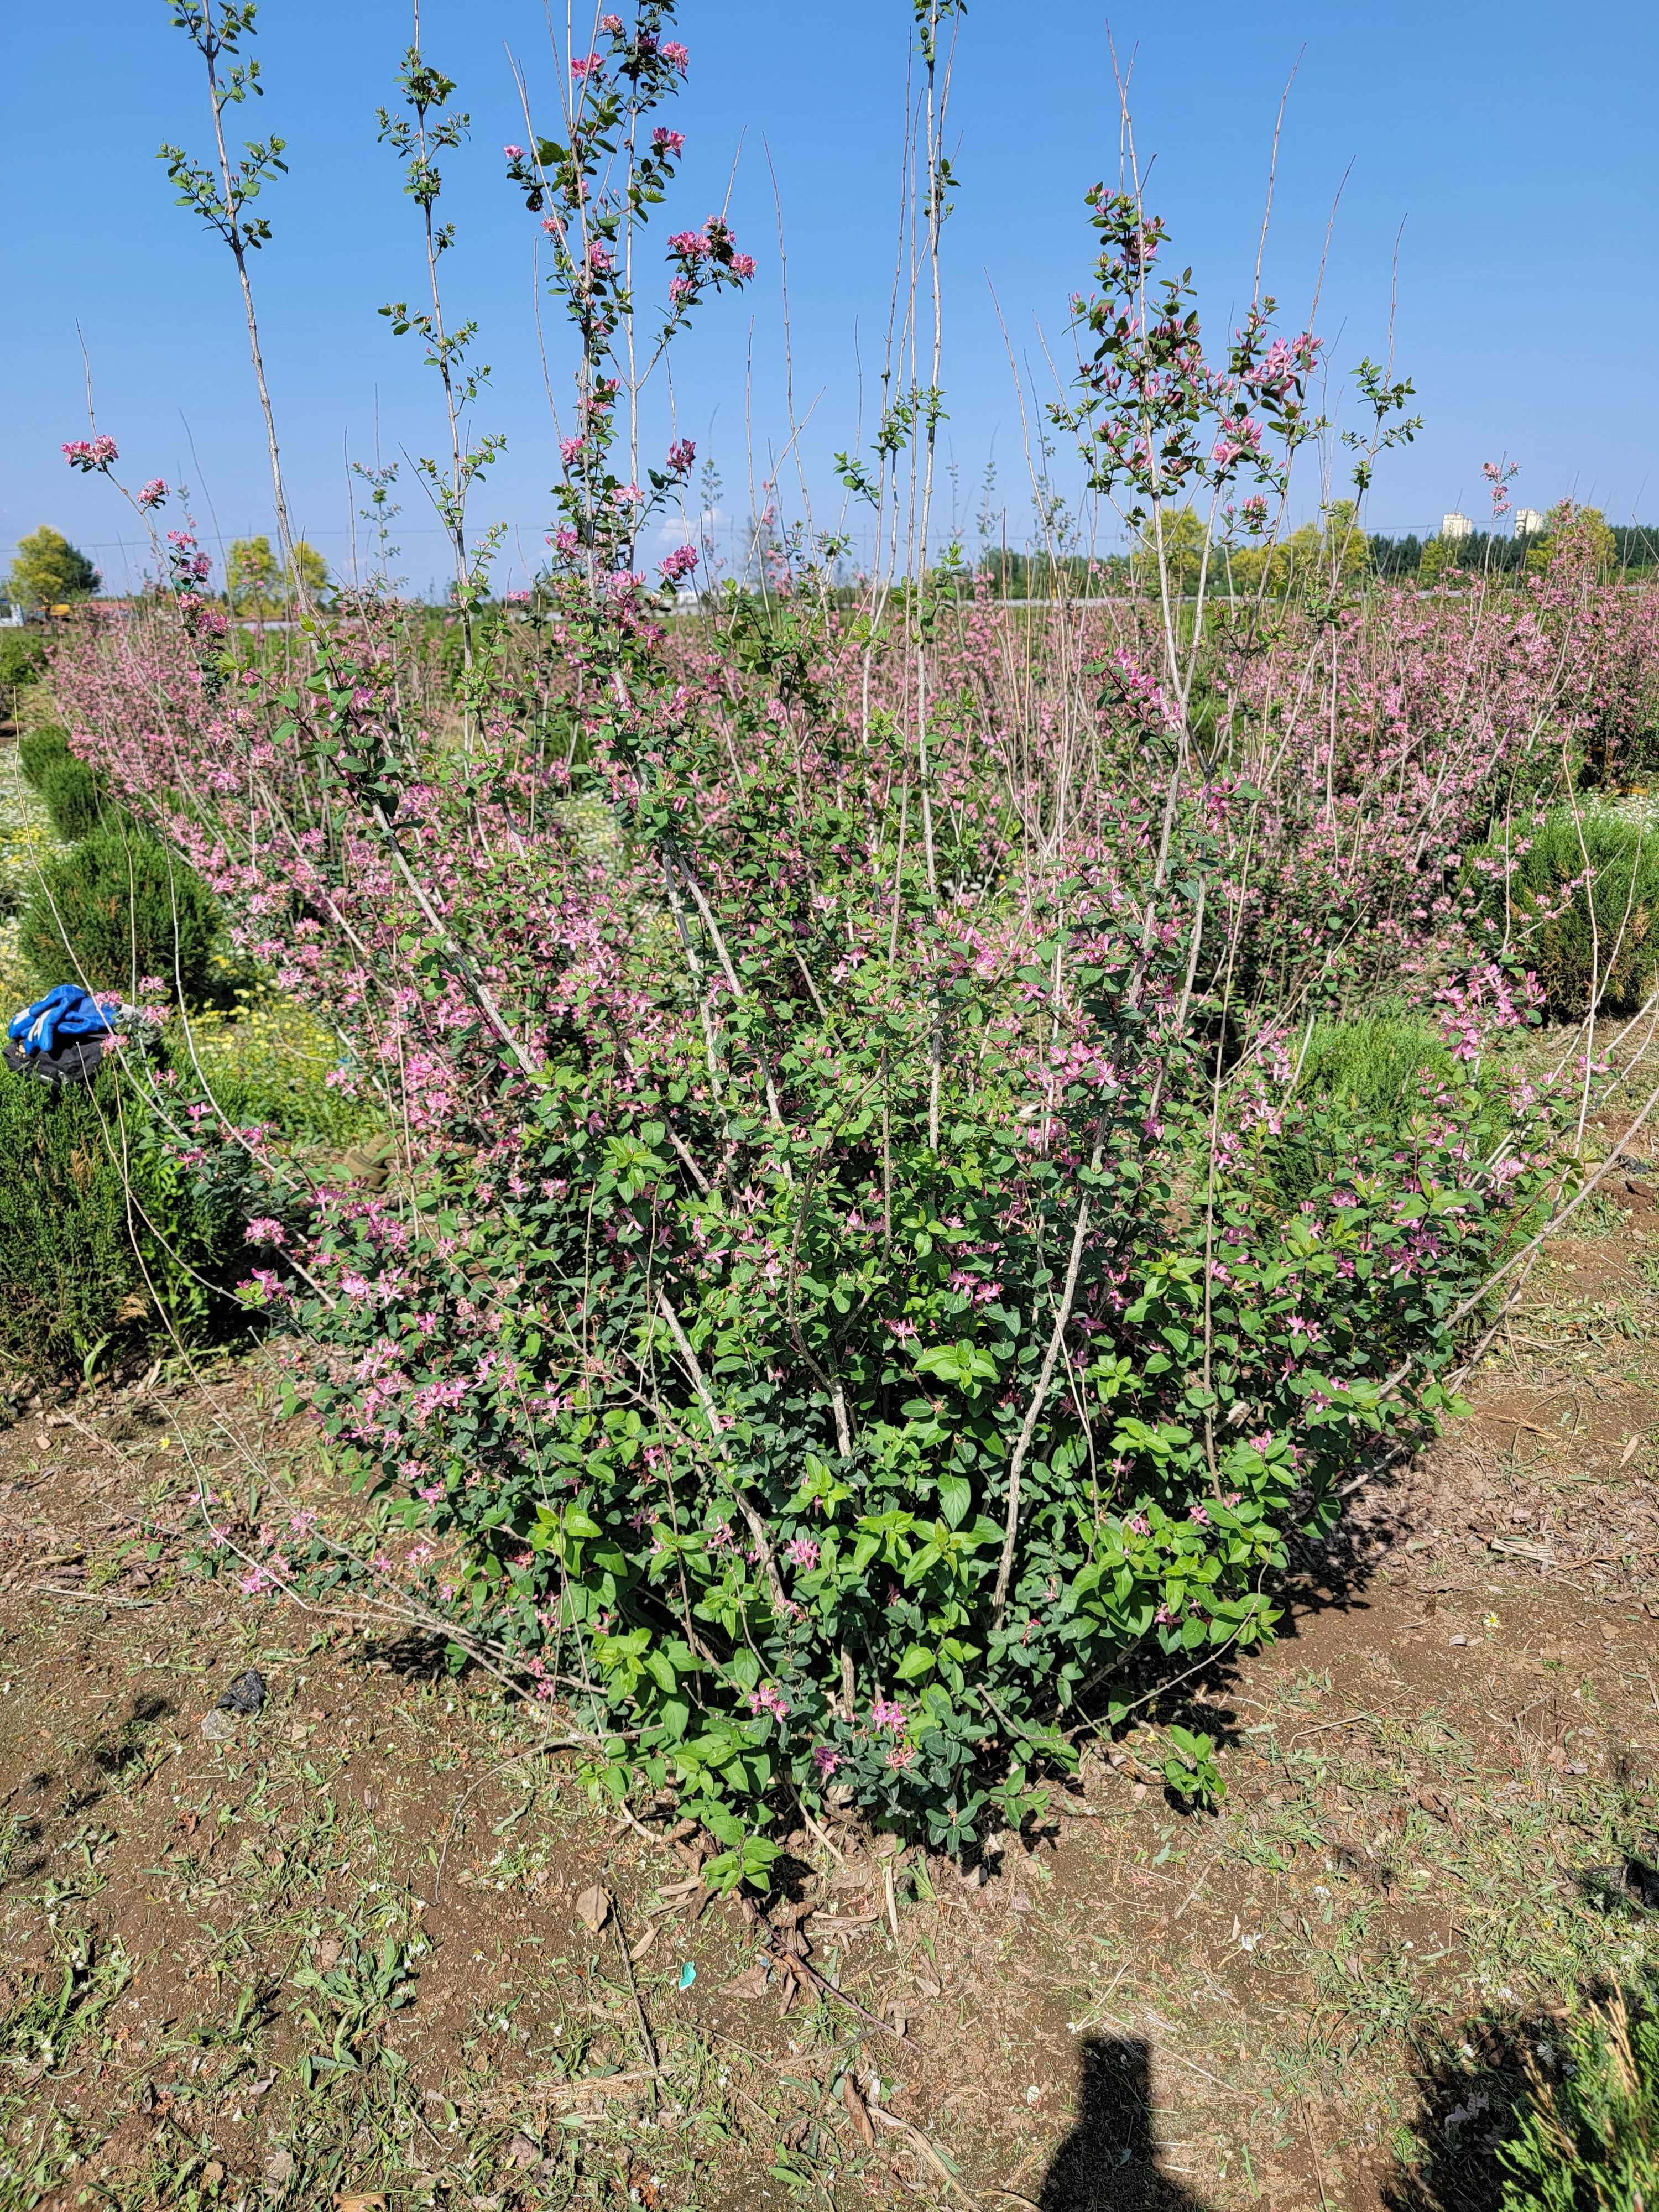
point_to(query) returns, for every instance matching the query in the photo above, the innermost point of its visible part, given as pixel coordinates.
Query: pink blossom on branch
(90, 453)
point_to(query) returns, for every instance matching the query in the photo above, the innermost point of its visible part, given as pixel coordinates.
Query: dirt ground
(339, 1951)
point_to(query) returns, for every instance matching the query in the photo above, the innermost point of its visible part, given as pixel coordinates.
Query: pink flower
(1137, 1525)
(681, 455)
(680, 563)
(568, 449)
(887, 1713)
(768, 1700)
(154, 493)
(264, 1231)
(432, 1492)
(356, 1288)
(1198, 1513)
(826, 1760)
(587, 65)
(904, 1330)
(514, 152)
(901, 1756)
(676, 56)
(1164, 1618)
(803, 1551)
(259, 1579)
(90, 453)
(668, 141)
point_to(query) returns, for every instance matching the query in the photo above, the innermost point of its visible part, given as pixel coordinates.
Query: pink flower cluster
(90, 453)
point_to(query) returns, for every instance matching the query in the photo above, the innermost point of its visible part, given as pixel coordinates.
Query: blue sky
(1513, 142)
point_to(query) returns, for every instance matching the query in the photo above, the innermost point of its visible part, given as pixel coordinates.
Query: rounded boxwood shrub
(22, 659)
(108, 1240)
(1605, 928)
(1378, 1060)
(42, 750)
(74, 796)
(118, 908)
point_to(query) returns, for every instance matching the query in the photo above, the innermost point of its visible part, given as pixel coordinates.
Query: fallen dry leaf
(853, 2096)
(594, 1908)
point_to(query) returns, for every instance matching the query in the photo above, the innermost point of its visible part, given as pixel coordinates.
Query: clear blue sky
(1513, 139)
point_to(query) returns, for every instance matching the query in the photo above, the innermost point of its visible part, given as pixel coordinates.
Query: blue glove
(67, 1012)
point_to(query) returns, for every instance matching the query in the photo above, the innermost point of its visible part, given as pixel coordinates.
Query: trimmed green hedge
(1378, 1061)
(74, 796)
(118, 908)
(108, 1243)
(41, 751)
(1607, 929)
(22, 659)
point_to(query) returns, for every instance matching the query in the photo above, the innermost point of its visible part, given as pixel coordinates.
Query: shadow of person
(1108, 2162)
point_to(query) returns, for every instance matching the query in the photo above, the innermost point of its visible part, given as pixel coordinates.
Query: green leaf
(956, 1495)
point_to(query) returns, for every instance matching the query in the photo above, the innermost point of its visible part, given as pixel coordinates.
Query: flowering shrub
(866, 1271)
(826, 1337)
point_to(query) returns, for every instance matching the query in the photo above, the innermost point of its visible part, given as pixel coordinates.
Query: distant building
(1529, 522)
(1455, 526)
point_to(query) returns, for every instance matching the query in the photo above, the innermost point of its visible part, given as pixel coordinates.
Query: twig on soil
(96, 1597)
(647, 2043)
(799, 1967)
(528, 1751)
(92, 1435)
(923, 2149)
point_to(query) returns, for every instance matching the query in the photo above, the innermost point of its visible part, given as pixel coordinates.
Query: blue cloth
(66, 1012)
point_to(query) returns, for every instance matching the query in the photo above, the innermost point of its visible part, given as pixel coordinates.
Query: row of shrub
(118, 906)
(122, 1228)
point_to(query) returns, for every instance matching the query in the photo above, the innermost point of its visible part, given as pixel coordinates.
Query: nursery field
(814, 1389)
(369, 1944)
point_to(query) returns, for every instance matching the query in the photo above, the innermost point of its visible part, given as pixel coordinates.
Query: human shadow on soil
(1110, 2161)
